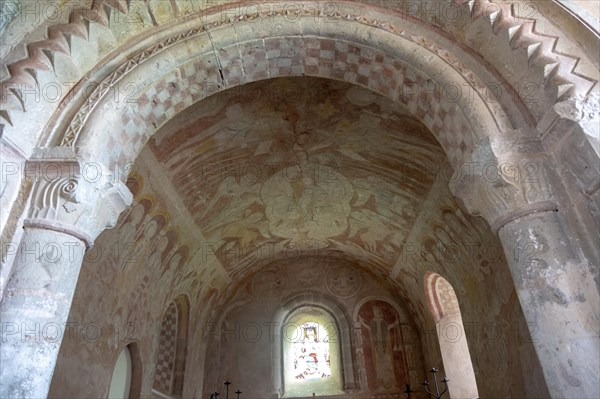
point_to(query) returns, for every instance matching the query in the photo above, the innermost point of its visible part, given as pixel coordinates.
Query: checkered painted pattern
(164, 99)
(200, 77)
(285, 56)
(447, 298)
(441, 297)
(232, 65)
(165, 363)
(292, 56)
(424, 99)
(350, 62)
(161, 102)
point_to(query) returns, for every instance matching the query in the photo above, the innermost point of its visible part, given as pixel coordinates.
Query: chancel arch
(195, 76)
(506, 100)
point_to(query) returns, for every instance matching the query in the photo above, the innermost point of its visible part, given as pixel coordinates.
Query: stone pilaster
(513, 185)
(67, 211)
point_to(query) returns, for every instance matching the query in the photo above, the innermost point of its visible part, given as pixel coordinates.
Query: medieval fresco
(383, 347)
(463, 249)
(133, 272)
(280, 189)
(307, 175)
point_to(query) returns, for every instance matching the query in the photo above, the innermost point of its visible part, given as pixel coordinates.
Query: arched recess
(172, 348)
(126, 381)
(327, 305)
(401, 333)
(391, 55)
(445, 310)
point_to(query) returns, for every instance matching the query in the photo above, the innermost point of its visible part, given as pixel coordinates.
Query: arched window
(443, 304)
(172, 344)
(120, 384)
(127, 374)
(311, 354)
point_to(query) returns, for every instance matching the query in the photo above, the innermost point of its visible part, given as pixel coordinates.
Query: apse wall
(247, 341)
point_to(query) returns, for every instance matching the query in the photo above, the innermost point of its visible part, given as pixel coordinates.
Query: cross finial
(408, 391)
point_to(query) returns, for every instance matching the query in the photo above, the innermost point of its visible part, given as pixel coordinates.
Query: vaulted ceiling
(299, 164)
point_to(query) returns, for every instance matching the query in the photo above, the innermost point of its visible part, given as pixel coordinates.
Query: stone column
(66, 213)
(560, 302)
(511, 185)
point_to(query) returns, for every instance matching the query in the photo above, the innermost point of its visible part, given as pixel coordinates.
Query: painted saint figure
(381, 344)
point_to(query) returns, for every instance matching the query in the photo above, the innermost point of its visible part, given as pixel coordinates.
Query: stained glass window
(311, 355)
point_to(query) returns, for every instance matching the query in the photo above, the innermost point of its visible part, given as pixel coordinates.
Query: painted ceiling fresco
(290, 166)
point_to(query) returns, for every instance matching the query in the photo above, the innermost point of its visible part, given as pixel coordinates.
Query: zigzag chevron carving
(552, 67)
(489, 25)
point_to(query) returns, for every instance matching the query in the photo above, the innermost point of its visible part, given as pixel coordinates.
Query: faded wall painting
(383, 347)
(309, 174)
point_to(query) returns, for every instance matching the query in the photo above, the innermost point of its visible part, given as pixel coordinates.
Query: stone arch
(445, 310)
(336, 312)
(498, 25)
(481, 122)
(193, 61)
(390, 70)
(492, 122)
(497, 20)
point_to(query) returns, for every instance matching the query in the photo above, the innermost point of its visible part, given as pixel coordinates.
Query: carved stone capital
(506, 179)
(576, 113)
(66, 200)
